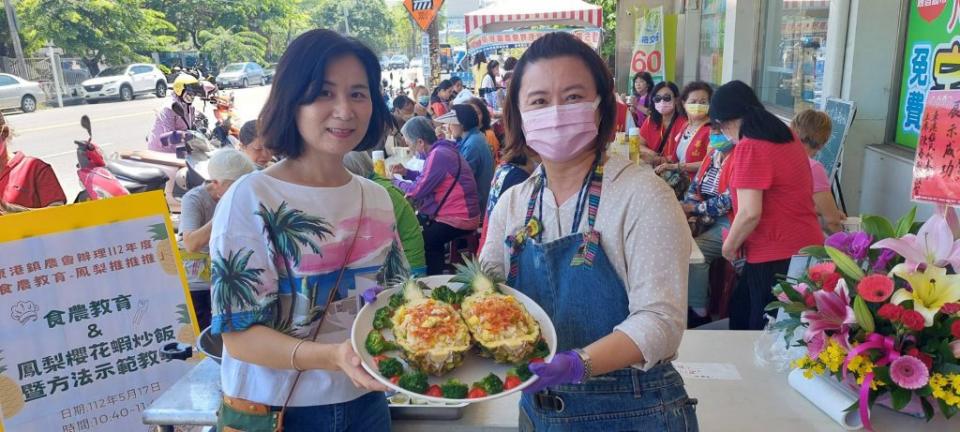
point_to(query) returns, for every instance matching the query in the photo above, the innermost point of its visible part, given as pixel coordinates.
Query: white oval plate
(474, 367)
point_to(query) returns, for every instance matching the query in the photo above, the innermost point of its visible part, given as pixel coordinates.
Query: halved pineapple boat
(500, 324)
(430, 332)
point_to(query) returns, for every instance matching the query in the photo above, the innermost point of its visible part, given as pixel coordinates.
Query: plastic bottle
(379, 163)
(634, 143)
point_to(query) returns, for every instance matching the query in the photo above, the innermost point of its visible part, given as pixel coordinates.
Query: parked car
(241, 75)
(416, 63)
(384, 62)
(18, 93)
(270, 71)
(399, 61)
(125, 83)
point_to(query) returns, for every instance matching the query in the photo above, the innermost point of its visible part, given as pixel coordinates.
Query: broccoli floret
(376, 343)
(522, 371)
(397, 300)
(390, 367)
(445, 294)
(381, 318)
(414, 381)
(454, 389)
(541, 350)
(491, 384)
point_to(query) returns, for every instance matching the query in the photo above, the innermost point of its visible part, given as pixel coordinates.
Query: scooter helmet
(185, 83)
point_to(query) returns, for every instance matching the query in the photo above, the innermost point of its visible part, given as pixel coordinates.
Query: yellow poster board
(89, 293)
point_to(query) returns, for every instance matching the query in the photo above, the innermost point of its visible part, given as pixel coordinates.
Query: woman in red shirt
(25, 182)
(690, 140)
(656, 134)
(773, 209)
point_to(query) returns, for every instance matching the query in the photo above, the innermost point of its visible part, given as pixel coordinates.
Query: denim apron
(574, 282)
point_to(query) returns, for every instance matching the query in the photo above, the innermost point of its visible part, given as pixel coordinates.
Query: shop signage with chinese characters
(931, 61)
(936, 171)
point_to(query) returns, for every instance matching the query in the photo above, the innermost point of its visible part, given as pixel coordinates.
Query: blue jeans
(368, 413)
(710, 243)
(621, 401)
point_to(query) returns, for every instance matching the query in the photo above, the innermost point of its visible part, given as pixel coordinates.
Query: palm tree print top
(277, 249)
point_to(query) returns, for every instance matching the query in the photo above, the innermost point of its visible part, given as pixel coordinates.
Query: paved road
(117, 126)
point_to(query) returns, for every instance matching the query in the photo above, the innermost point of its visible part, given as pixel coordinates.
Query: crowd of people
(519, 164)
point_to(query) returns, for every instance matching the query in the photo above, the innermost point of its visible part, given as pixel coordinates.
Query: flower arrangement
(882, 310)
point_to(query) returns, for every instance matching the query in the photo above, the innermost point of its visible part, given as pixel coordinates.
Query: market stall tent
(505, 15)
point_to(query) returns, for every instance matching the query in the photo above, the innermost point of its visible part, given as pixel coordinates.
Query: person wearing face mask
(692, 137)
(444, 193)
(169, 127)
(773, 210)
(657, 131)
(422, 96)
(707, 204)
(600, 243)
(463, 123)
(25, 182)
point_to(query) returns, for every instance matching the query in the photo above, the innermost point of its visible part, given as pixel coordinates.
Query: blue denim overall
(575, 283)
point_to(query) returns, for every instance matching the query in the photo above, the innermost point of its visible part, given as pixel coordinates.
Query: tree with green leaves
(369, 20)
(114, 31)
(609, 48)
(224, 46)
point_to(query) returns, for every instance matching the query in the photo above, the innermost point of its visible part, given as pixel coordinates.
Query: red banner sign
(936, 171)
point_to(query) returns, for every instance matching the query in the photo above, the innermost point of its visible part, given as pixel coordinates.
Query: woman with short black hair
(293, 239)
(773, 210)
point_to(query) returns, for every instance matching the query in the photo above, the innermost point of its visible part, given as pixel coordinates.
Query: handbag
(240, 415)
(427, 220)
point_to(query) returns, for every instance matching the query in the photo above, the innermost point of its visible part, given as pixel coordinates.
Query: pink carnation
(909, 372)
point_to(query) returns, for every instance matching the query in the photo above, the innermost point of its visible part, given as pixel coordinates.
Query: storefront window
(790, 76)
(712, 23)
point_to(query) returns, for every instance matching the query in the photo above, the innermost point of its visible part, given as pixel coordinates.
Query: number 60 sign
(651, 62)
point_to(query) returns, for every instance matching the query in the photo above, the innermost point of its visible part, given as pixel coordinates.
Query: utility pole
(55, 68)
(15, 37)
(434, 34)
(346, 17)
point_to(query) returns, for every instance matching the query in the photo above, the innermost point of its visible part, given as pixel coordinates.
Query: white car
(16, 92)
(125, 83)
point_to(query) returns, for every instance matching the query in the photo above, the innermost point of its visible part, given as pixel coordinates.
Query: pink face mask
(561, 132)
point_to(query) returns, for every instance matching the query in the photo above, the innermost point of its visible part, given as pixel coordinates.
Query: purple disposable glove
(370, 294)
(565, 368)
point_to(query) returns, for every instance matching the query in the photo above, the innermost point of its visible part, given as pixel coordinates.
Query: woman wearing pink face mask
(600, 243)
(658, 132)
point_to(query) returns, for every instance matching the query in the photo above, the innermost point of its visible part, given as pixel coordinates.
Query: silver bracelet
(587, 364)
(293, 356)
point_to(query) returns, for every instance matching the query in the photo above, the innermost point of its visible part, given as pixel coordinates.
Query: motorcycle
(104, 179)
(182, 168)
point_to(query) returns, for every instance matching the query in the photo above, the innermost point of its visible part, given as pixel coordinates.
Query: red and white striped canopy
(517, 13)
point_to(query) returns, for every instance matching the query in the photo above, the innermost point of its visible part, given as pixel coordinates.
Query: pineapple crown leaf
(473, 271)
(159, 231)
